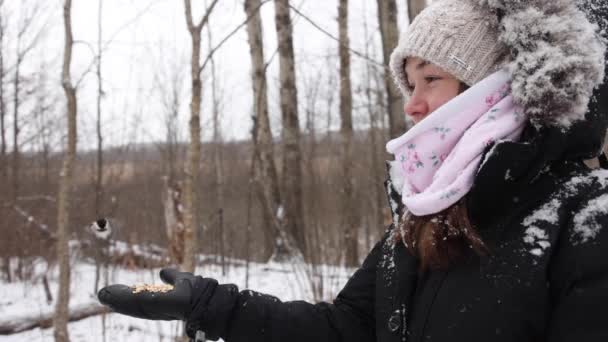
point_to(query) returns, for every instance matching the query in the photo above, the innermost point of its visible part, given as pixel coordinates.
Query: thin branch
(355, 52)
(188, 9)
(232, 33)
(36, 197)
(109, 41)
(33, 42)
(205, 19)
(42, 227)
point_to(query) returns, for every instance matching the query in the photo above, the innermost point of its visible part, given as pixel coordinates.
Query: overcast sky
(147, 43)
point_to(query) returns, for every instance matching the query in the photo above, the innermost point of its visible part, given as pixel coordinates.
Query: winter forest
(240, 139)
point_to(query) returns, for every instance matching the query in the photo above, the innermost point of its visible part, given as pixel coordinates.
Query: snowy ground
(21, 298)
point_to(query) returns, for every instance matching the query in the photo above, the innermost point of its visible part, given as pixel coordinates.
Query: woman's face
(430, 86)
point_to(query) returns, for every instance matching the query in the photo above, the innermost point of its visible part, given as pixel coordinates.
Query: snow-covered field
(26, 298)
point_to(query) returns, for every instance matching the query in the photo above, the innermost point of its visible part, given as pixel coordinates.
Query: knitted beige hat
(455, 35)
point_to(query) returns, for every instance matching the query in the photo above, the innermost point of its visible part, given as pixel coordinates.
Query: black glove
(176, 304)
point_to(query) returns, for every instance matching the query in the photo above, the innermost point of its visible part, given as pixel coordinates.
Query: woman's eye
(430, 79)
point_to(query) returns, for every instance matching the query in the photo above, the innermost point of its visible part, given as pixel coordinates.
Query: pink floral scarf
(439, 157)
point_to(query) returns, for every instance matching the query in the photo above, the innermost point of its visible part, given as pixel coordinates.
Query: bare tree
(350, 214)
(24, 47)
(414, 7)
(292, 159)
(218, 169)
(3, 158)
(168, 88)
(389, 31)
(194, 151)
(168, 82)
(101, 257)
(63, 219)
(174, 219)
(265, 174)
(3, 168)
(373, 95)
(99, 165)
(45, 123)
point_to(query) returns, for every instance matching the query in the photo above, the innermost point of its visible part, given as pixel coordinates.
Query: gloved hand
(176, 304)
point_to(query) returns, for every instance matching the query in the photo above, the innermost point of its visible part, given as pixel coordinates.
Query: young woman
(500, 231)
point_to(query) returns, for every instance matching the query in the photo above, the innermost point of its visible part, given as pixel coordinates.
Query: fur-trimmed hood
(555, 55)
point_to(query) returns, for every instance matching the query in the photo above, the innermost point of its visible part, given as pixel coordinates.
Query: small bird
(101, 228)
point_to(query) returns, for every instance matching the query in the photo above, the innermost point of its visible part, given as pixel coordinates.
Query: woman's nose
(416, 105)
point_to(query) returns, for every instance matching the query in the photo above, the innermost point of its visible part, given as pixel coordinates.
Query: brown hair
(463, 87)
(441, 239)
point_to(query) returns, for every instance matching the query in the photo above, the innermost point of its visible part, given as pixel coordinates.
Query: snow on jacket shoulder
(546, 278)
(580, 265)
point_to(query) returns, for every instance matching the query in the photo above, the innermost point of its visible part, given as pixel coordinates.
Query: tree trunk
(15, 170)
(174, 221)
(3, 167)
(194, 151)
(192, 166)
(350, 214)
(63, 258)
(218, 175)
(98, 174)
(372, 97)
(414, 7)
(4, 176)
(292, 170)
(265, 173)
(389, 31)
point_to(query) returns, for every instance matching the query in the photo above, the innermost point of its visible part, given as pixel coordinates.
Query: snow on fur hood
(556, 56)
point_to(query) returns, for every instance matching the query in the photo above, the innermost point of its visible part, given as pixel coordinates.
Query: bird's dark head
(102, 224)
(101, 228)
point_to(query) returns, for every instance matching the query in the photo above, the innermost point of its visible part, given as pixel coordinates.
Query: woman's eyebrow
(422, 64)
(418, 66)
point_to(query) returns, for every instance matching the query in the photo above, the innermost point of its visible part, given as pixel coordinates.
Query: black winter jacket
(544, 216)
(546, 279)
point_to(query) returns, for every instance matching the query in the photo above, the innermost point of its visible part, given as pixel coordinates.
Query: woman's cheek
(434, 103)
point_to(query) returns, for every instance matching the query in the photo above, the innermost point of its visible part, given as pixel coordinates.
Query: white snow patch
(387, 262)
(396, 176)
(599, 175)
(547, 212)
(280, 212)
(392, 202)
(536, 251)
(586, 226)
(535, 236)
(508, 175)
(487, 156)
